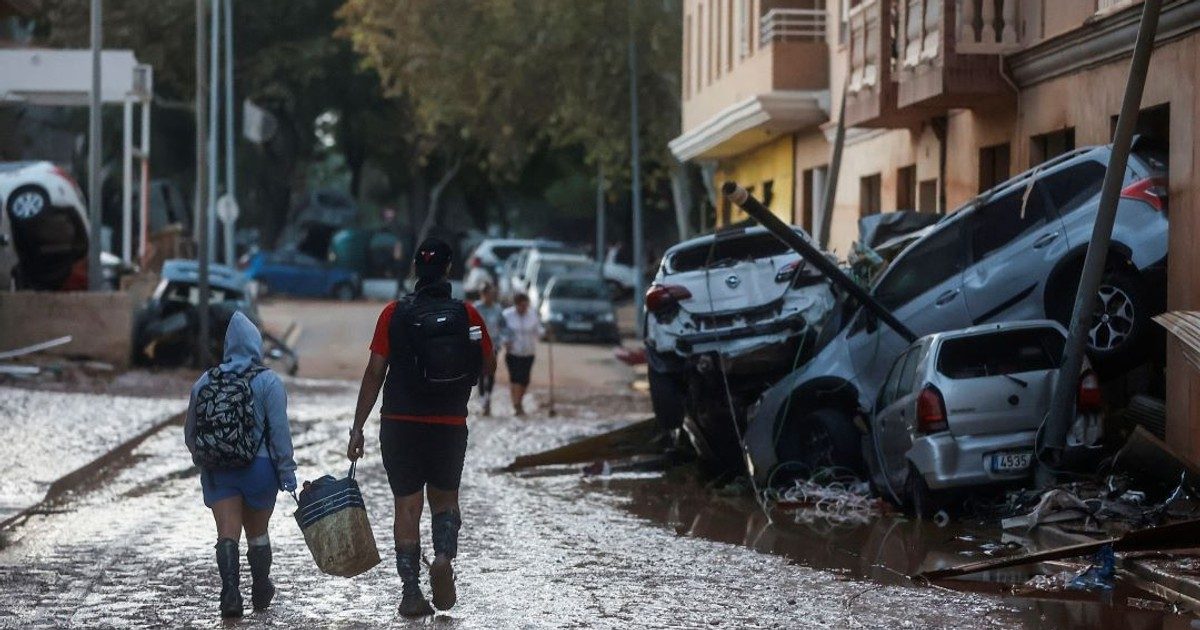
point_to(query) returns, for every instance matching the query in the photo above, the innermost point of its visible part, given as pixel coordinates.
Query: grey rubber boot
(445, 549)
(408, 565)
(227, 565)
(262, 590)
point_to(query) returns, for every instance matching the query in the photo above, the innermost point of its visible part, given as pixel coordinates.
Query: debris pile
(831, 499)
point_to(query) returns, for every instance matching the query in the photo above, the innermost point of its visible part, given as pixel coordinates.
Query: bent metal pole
(743, 199)
(1062, 402)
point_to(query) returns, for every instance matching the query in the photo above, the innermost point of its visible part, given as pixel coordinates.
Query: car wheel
(1122, 316)
(343, 292)
(923, 502)
(27, 202)
(822, 438)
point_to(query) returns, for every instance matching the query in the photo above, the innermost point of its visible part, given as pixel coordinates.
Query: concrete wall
(769, 162)
(100, 324)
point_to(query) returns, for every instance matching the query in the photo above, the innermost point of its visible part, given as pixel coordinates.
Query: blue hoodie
(243, 348)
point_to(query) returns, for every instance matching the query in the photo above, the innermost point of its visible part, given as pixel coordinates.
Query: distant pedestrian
(522, 329)
(477, 277)
(493, 317)
(237, 432)
(428, 352)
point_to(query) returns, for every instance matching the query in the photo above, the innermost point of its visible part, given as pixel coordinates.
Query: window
(887, 393)
(1004, 219)
(908, 375)
(993, 166)
(726, 251)
(1050, 145)
(926, 264)
(1005, 352)
(927, 197)
(768, 194)
(814, 191)
(906, 187)
(730, 27)
(743, 24)
(1072, 187)
(869, 192)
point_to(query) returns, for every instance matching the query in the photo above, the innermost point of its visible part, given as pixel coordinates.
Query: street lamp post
(635, 166)
(95, 129)
(201, 184)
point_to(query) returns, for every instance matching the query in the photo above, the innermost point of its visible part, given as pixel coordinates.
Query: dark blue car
(291, 272)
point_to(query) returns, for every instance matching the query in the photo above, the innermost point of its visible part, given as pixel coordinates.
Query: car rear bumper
(949, 461)
(687, 344)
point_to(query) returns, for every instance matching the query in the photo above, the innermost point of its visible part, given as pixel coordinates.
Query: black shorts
(518, 369)
(419, 453)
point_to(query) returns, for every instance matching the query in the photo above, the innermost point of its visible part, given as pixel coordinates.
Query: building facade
(943, 99)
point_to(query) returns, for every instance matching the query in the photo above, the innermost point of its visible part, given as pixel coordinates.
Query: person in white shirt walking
(522, 329)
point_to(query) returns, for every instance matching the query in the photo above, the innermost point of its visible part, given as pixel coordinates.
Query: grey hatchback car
(963, 408)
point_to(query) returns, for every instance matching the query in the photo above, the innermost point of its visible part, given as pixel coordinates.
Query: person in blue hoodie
(243, 498)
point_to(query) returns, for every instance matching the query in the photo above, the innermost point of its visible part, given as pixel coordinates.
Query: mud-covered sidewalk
(136, 550)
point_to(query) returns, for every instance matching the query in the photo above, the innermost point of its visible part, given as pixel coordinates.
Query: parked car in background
(523, 268)
(49, 226)
(728, 314)
(493, 254)
(544, 267)
(579, 306)
(962, 409)
(290, 272)
(1012, 254)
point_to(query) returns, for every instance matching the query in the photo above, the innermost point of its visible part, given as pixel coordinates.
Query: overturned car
(727, 315)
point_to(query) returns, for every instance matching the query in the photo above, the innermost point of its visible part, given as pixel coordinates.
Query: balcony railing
(983, 30)
(792, 25)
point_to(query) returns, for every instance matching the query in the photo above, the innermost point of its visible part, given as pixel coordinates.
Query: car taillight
(58, 170)
(1152, 190)
(931, 411)
(660, 297)
(788, 271)
(1088, 399)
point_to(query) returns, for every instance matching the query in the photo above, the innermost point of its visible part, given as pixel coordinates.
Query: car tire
(820, 439)
(667, 398)
(27, 202)
(1117, 340)
(921, 501)
(344, 292)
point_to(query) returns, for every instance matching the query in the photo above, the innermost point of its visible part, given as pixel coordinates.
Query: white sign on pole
(227, 209)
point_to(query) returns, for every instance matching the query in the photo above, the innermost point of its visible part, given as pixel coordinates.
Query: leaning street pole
(230, 162)
(635, 165)
(600, 249)
(1062, 402)
(831, 182)
(214, 125)
(202, 343)
(95, 277)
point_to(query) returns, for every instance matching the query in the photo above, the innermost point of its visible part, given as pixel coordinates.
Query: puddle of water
(891, 548)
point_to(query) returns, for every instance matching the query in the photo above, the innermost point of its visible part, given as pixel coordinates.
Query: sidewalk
(46, 435)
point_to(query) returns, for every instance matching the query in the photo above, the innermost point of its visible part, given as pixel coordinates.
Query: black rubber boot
(445, 549)
(227, 565)
(408, 565)
(262, 591)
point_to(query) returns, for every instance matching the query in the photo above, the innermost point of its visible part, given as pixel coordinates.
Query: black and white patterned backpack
(225, 420)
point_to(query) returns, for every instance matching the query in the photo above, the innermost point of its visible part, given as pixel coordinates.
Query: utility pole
(1062, 402)
(635, 166)
(835, 165)
(95, 129)
(230, 162)
(214, 125)
(202, 224)
(601, 250)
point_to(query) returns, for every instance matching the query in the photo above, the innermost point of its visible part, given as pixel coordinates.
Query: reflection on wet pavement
(552, 551)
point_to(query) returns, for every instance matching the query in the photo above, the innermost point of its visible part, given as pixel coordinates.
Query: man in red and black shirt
(423, 432)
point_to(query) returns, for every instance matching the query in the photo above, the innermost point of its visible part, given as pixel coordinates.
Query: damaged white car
(727, 315)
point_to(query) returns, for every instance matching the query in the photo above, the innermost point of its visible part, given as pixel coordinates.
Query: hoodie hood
(243, 344)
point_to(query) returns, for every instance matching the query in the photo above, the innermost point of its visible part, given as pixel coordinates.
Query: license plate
(579, 325)
(1012, 461)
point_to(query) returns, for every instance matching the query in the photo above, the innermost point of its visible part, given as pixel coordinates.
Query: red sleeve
(477, 320)
(380, 343)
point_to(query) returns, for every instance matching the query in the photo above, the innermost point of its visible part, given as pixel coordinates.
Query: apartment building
(943, 99)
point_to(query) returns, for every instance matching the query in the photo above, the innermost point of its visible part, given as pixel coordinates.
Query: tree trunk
(681, 194)
(435, 198)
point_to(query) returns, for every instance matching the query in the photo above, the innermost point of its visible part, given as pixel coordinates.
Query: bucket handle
(349, 475)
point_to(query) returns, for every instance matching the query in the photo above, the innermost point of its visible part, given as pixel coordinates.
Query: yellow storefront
(767, 172)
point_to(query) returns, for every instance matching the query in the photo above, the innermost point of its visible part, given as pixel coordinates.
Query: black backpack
(225, 420)
(438, 332)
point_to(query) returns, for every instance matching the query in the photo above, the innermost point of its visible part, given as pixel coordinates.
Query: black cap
(432, 258)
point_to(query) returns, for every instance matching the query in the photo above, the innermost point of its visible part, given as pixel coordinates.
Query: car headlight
(555, 317)
(605, 317)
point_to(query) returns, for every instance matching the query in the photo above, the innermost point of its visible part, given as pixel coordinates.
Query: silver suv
(1012, 254)
(962, 408)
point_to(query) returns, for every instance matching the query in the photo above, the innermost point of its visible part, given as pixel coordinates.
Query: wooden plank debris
(37, 347)
(639, 438)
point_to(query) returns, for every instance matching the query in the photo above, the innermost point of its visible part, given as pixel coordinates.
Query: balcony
(870, 90)
(947, 52)
(776, 82)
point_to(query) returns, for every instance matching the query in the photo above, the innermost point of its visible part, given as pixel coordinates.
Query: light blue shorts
(255, 483)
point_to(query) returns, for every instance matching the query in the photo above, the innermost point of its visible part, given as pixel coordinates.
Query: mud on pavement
(554, 551)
